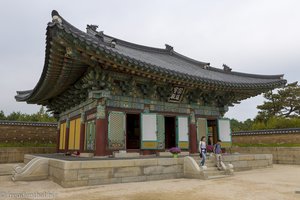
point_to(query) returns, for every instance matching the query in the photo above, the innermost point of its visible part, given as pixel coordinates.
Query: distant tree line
(40, 116)
(281, 109)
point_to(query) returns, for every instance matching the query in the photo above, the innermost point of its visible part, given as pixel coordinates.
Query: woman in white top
(202, 150)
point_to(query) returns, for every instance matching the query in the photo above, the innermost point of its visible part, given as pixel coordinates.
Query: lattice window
(116, 132)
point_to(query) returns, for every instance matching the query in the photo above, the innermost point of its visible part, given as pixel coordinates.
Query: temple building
(109, 94)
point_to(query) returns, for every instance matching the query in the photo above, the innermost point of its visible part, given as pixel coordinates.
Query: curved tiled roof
(180, 64)
(165, 61)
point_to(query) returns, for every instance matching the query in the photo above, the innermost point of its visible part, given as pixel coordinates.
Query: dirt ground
(282, 182)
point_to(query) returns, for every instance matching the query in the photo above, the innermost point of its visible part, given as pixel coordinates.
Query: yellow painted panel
(62, 136)
(150, 145)
(183, 145)
(72, 134)
(61, 132)
(77, 134)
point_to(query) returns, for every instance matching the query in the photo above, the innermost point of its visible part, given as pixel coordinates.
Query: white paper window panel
(224, 130)
(183, 129)
(149, 127)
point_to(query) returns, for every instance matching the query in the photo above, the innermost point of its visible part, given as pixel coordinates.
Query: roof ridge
(68, 25)
(137, 46)
(168, 50)
(27, 123)
(24, 91)
(178, 55)
(249, 75)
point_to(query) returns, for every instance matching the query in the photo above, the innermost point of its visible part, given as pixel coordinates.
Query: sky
(251, 36)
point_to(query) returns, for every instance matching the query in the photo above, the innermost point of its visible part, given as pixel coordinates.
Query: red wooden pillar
(193, 138)
(101, 127)
(82, 136)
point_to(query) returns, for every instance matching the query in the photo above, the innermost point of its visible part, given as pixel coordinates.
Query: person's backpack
(215, 147)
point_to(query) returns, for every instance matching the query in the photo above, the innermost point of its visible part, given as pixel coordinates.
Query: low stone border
(16, 154)
(281, 155)
(243, 162)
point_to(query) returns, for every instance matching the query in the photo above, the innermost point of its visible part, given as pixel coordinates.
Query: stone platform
(98, 172)
(69, 171)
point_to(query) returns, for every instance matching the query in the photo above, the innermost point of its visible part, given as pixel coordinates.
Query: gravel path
(280, 182)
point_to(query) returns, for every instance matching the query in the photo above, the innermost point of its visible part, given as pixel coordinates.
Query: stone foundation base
(123, 170)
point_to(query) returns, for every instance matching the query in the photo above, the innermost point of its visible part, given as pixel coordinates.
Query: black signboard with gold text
(176, 94)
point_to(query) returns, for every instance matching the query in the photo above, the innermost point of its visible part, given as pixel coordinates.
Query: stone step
(5, 178)
(5, 173)
(214, 173)
(206, 161)
(6, 169)
(207, 158)
(209, 161)
(208, 164)
(124, 154)
(212, 169)
(217, 176)
(198, 158)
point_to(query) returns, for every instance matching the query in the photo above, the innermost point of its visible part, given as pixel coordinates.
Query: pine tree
(283, 103)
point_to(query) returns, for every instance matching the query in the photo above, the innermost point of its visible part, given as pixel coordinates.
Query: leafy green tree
(235, 125)
(283, 103)
(2, 115)
(247, 125)
(16, 116)
(280, 110)
(241, 126)
(40, 116)
(277, 123)
(43, 116)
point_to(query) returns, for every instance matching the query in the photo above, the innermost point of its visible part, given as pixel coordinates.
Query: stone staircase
(6, 171)
(211, 172)
(35, 169)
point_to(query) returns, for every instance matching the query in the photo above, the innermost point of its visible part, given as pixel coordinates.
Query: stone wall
(16, 154)
(248, 161)
(97, 172)
(281, 155)
(27, 132)
(277, 136)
